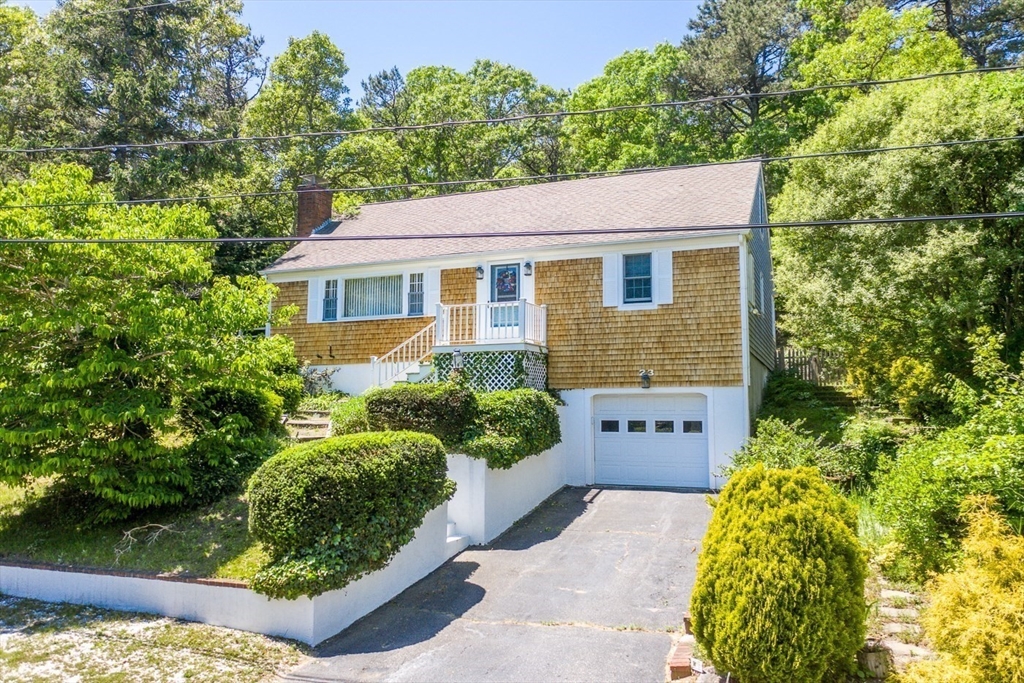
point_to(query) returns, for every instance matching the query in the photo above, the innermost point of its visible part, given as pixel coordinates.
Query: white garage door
(651, 441)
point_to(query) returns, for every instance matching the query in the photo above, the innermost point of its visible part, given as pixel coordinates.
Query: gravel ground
(42, 641)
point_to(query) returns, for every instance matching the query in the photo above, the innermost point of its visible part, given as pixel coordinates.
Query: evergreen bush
(331, 511)
(780, 582)
(514, 425)
(446, 410)
(976, 612)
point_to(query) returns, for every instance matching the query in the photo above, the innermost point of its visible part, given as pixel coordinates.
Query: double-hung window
(636, 279)
(415, 293)
(330, 311)
(369, 297)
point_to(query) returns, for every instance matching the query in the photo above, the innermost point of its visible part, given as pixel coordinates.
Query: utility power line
(130, 8)
(519, 233)
(549, 176)
(124, 146)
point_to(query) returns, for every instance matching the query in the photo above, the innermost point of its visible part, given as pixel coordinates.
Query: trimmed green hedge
(780, 583)
(446, 410)
(332, 511)
(515, 424)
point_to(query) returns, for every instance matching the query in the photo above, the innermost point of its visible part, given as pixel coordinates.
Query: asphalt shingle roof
(699, 196)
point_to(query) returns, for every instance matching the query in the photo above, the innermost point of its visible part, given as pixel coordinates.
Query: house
(659, 341)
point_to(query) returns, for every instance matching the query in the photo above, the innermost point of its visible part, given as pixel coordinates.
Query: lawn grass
(792, 399)
(209, 542)
(60, 642)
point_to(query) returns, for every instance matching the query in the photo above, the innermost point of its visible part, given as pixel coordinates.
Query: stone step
(308, 423)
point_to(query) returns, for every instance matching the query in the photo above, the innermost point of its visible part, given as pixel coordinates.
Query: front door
(505, 295)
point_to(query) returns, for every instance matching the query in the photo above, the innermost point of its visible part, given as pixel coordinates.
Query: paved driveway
(589, 587)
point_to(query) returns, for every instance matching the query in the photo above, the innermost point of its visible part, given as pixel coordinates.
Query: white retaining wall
(310, 620)
(487, 502)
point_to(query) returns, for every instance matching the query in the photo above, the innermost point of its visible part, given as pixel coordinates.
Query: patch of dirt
(45, 642)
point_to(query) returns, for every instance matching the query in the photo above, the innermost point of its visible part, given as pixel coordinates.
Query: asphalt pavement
(591, 586)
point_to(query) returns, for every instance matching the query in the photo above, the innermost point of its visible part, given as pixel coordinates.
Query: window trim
(650, 277)
(407, 281)
(662, 279)
(324, 299)
(317, 285)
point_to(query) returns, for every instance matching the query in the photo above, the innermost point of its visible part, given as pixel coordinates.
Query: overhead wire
(124, 146)
(514, 179)
(888, 220)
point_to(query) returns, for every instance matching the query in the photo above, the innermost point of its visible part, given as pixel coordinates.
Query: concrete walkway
(591, 586)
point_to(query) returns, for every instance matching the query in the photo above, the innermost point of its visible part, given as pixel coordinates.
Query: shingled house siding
(458, 286)
(695, 341)
(356, 341)
(762, 326)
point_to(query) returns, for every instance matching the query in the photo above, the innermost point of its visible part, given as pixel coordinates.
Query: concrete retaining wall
(308, 620)
(487, 502)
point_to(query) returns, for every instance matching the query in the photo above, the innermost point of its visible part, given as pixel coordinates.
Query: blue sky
(561, 43)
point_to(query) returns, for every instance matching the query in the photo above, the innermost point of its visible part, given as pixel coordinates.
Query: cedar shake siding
(694, 341)
(458, 286)
(356, 341)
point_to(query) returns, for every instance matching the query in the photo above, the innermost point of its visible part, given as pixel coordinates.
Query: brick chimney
(314, 205)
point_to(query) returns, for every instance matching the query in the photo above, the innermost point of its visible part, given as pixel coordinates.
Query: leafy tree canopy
(892, 294)
(102, 345)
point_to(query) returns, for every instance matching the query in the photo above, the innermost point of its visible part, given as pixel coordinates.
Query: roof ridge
(611, 175)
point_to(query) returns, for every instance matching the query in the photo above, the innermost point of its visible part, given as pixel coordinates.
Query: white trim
(315, 294)
(595, 250)
(745, 327)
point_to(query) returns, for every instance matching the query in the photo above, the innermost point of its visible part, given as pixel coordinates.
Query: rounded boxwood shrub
(515, 424)
(780, 582)
(446, 410)
(331, 511)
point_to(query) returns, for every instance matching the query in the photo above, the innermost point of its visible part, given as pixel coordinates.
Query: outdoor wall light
(527, 268)
(479, 272)
(645, 378)
(457, 359)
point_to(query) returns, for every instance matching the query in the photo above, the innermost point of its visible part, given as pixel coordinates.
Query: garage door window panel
(693, 427)
(636, 426)
(609, 425)
(664, 426)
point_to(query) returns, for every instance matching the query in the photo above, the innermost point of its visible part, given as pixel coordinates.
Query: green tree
(900, 300)
(430, 94)
(306, 92)
(640, 137)
(990, 32)
(103, 346)
(26, 87)
(741, 48)
(172, 72)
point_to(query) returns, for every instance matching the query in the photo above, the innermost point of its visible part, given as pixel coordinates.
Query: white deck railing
(489, 323)
(403, 357)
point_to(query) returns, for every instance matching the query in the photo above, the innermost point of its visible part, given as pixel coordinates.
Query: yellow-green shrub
(780, 583)
(976, 618)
